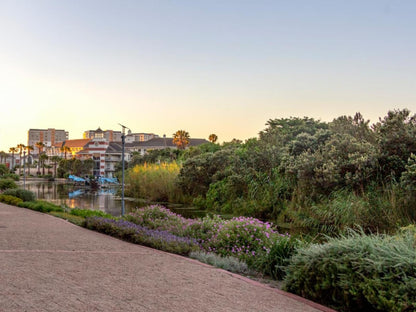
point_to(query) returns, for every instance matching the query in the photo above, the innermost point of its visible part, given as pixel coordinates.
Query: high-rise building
(47, 136)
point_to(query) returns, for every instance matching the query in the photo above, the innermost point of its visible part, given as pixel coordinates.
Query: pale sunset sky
(205, 66)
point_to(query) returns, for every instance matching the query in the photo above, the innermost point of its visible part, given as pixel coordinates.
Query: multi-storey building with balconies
(47, 136)
(109, 135)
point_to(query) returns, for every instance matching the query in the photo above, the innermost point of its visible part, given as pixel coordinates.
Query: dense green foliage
(312, 176)
(78, 220)
(75, 166)
(41, 206)
(89, 213)
(7, 184)
(358, 272)
(9, 199)
(24, 195)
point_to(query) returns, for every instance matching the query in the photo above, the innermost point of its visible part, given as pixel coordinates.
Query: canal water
(104, 199)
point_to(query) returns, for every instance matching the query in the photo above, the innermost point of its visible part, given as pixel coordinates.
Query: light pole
(123, 140)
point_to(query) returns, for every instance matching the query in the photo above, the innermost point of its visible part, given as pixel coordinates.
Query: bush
(137, 234)
(13, 176)
(231, 264)
(89, 213)
(25, 195)
(357, 272)
(69, 217)
(10, 200)
(243, 238)
(159, 218)
(7, 184)
(274, 263)
(41, 206)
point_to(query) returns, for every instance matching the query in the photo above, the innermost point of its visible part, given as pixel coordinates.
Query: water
(104, 199)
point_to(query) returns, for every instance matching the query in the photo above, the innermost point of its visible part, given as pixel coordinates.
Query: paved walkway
(48, 264)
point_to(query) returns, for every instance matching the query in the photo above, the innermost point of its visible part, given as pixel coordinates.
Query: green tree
(55, 160)
(3, 156)
(395, 135)
(65, 149)
(3, 169)
(42, 159)
(29, 149)
(13, 150)
(40, 145)
(181, 139)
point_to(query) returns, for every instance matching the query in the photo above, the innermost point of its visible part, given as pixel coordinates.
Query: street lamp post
(123, 140)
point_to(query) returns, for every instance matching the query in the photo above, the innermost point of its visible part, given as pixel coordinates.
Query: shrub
(7, 184)
(159, 218)
(69, 217)
(41, 206)
(231, 264)
(134, 233)
(89, 213)
(9, 199)
(242, 237)
(13, 176)
(357, 272)
(25, 195)
(275, 262)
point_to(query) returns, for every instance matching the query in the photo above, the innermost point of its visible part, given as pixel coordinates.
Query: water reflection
(103, 199)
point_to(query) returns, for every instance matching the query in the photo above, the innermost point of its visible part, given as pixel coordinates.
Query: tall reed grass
(154, 182)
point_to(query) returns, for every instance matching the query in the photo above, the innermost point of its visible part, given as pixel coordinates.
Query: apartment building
(139, 137)
(48, 137)
(109, 135)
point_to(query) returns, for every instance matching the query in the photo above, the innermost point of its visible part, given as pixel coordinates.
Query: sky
(204, 66)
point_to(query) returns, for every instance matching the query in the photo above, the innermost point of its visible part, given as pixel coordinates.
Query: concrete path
(48, 264)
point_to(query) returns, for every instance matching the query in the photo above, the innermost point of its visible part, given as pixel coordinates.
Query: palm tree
(3, 155)
(42, 159)
(65, 149)
(21, 147)
(13, 150)
(55, 160)
(181, 139)
(213, 138)
(40, 145)
(29, 148)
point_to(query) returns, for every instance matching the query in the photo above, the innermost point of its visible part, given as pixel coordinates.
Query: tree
(20, 147)
(3, 155)
(65, 149)
(213, 138)
(181, 139)
(13, 150)
(29, 148)
(42, 159)
(40, 145)
(396, 139)
(55, 160)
